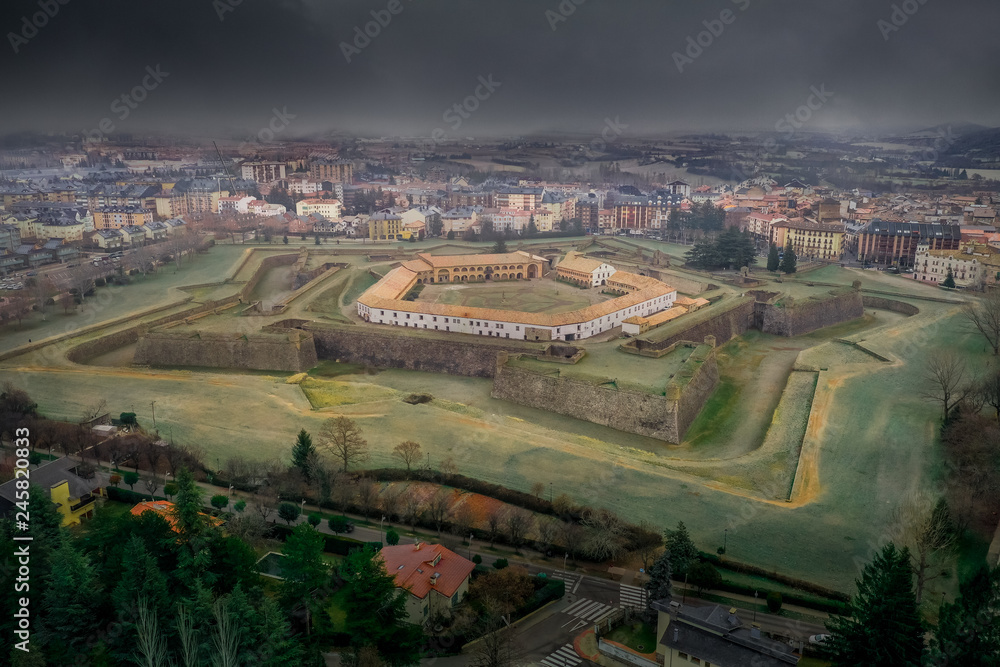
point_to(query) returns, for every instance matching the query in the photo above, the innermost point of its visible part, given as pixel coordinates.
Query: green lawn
(336, 611)
(637, 636)
(536, 296)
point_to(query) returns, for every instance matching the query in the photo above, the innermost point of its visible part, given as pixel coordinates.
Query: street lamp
(381, 536)
(471, 535)
(230, 491)
(754, 607)
(725, 539)
(565, 556)
(152, 405)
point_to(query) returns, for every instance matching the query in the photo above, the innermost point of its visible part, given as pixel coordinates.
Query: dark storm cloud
(230, 65)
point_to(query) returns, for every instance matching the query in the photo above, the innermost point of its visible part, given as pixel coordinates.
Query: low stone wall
(724, 322)
(882, 303)
(412, 352)
(666, 417)
(784, 317)
(292, 351)
(87, 350)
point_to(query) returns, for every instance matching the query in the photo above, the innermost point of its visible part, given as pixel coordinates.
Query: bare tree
(249, 527)
(152, 483)
(344, 491)
(924, 526)
(81, 279)
(95, 410)
(141, 259)
(413, 507)
(41, 290)
(518, 522)
(548, 533)
(494, 522)
(989, 390)
(391, 498)
(439, 508)
(368, 492)
(462, 519)
(448, 466)
(537, 489)
(571, 536)
(948, 380)
(14, 308)
(343, 438)
(498, 645)
(264, 501)
(408, 452)
(605, 534)
(984, 316)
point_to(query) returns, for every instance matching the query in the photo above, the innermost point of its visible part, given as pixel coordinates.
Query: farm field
(870, 437)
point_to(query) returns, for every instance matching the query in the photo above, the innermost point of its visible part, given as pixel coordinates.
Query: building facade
(895, 243)
(116, 217)
(337, 171)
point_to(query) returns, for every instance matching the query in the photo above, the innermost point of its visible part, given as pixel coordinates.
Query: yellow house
(387, 227)
(74, 496)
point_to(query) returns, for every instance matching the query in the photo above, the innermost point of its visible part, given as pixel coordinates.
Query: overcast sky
(607, 59)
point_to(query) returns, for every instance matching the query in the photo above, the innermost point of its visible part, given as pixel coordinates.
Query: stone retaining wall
(292, 351)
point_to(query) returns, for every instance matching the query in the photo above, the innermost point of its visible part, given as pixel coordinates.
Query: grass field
(871, 437)
(535, 296)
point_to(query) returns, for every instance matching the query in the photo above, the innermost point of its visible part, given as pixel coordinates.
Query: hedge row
(744, 568)
(334, 544)
(829, 606)
(128, 496)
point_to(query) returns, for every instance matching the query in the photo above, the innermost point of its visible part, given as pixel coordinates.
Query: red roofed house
(166, 509)
(436, 578)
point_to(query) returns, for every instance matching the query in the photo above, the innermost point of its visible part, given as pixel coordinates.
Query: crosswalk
(588, 610)
(633, 596)
(564, 657)
(570, 579)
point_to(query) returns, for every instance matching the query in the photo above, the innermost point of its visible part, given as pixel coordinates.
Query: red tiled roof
(165, 509)
(421, 568)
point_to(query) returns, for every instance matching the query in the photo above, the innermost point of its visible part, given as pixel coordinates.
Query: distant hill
(958, 129)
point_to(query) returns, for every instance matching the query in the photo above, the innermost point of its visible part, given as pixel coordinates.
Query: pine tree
(659, 585)
(303, 567)
(789, 260)
(301, 451)
(275, 646)
(968, 631)
(140, 578)
(376, 609)
(71, 598)
(532, 227)
(188, 505)
(680, 549)
(499, 246)
(882, 627)
(773, 261)
(949, 280)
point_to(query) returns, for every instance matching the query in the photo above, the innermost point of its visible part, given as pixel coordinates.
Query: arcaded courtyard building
(384, 302)
(476, 268)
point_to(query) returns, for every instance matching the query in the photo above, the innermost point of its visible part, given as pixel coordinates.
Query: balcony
(82, 503)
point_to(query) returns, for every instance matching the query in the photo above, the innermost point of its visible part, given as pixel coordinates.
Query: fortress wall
(802, 317)
(291, 351)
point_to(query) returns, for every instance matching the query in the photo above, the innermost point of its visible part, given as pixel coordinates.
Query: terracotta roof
(446, 261)
(421, 568)
(166, 509)
(577, 262)
(387, 294)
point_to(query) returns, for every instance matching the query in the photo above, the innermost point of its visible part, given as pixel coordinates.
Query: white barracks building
(383, 303)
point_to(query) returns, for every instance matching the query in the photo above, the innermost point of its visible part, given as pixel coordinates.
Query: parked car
(816, 640)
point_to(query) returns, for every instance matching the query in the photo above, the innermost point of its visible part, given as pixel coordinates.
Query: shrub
(219, 501)
(774, 602)
(170, 489)
(704, 576)
(338, 524)
(130, 478)
(129, 497)
(239, 506)
(391, 537)
(289, 512)
(115, 480)
(315, 519)
(500, 563)
(477, 559)
(100, 282)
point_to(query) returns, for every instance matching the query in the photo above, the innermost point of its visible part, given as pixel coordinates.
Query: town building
(263, 172)
(971, 266)
(337, 171)
(522, 199)
(383, 226)
(895, 243)
(434, 578)
(328, 208)
(811, 240)
(72, 487)
(116, 217)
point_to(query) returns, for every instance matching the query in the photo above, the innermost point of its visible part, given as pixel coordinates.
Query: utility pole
(152, 405)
